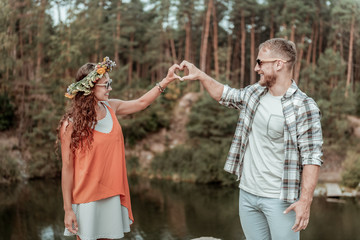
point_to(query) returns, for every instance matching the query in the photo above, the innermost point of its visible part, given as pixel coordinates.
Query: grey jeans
(263, 218)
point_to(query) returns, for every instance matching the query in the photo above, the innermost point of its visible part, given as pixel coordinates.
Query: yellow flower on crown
(69, 96)
(101, 70)
(89, 81)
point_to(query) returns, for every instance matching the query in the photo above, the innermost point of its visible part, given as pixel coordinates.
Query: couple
(276, 151)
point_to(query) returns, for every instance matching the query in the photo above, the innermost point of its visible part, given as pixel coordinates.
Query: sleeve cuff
(224, 93)
(311, 161)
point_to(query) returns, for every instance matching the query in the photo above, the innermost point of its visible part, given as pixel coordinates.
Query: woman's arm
(214, 88)
(67, 175)
(133, 106)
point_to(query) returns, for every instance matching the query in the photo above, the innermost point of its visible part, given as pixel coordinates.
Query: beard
(269, 81)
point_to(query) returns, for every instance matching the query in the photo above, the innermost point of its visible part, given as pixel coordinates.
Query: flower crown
(89, 81)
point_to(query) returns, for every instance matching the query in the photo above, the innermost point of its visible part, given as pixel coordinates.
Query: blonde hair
(282, 47)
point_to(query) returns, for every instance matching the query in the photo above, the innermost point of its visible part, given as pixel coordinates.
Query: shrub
(145, 122)
(202, 158)
(9, 168)
(7, 115)
(210, 120)
(351, 172)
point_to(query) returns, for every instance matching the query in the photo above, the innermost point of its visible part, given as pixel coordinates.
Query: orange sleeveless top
(100, 172)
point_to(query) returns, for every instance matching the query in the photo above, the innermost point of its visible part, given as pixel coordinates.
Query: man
(277, 148)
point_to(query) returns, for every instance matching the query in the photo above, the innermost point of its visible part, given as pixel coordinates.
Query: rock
(355, 125)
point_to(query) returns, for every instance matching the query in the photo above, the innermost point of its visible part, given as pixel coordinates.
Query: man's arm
(214, 88)
(309, 180)
(309, 137)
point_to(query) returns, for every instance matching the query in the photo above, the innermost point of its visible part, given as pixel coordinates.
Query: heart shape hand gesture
(184, 71)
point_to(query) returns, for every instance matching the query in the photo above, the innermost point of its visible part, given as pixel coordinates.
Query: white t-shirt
(264, 156)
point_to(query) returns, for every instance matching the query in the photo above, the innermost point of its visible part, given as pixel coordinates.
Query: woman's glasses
(106, 85)
(260, 62)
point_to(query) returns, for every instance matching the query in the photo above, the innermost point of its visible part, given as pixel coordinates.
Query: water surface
(162, 211)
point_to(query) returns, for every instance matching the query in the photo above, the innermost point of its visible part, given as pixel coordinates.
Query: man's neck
(281, 86)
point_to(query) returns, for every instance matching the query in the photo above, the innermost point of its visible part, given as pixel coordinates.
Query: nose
(257, 67)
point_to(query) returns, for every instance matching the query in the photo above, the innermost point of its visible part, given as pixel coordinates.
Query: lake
(162, 210)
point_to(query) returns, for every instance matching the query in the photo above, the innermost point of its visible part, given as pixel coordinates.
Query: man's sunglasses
(260, 62)
(106, 85)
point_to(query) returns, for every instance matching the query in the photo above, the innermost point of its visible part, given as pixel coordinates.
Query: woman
(94, 181)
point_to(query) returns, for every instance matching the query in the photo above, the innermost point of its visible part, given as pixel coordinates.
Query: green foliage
(39, 60)
(210, 129)
(132, 164)
(327, 87)
(7, 114)
(351, 172)
(141, 124)
(209, 120)
(9, 167)
(357, 96)
(202, 162)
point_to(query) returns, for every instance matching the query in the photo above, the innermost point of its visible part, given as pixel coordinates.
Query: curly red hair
(81, 114)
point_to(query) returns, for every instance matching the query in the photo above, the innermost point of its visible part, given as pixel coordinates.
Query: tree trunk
(117, 36)
(300, 56)
(335, 40)
(153, 77)
(68, 58)
(188, 38)
(215, 43)
(234, 74)
(228, 58)
(173, 50)
(285, 27)
(272, 34)
(98, 33)
(209, 56)
(130, 60)
(293, 29)
(309, 51)
(40, 37)
(21, 41)
(316, 34)
(351, 42)
(321, 29)
(341, 44)
(167, 48)
(252, 52)
(204, 45)
(138, 69)
(243, 50)
(180, 49)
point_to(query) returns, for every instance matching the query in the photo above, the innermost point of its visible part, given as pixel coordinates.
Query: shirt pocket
(275, 128)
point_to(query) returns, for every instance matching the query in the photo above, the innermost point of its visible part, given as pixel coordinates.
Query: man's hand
(70, 221)
(302, 211)
(171, 76)
(191, 72)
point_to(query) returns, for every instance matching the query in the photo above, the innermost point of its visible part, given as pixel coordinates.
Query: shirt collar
(291, 90)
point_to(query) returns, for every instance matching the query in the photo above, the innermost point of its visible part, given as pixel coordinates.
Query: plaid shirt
(302, 133)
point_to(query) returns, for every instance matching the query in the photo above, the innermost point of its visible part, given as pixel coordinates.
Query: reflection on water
(162, 210)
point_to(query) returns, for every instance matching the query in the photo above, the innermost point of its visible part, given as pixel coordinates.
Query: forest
(44, 42)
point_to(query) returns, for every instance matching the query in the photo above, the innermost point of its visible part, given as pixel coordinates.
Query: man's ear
(279, 65)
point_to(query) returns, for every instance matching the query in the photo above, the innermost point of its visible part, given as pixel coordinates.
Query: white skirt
(105, 218)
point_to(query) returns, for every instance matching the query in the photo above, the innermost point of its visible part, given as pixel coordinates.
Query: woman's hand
(70, 221)
(171, 75)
